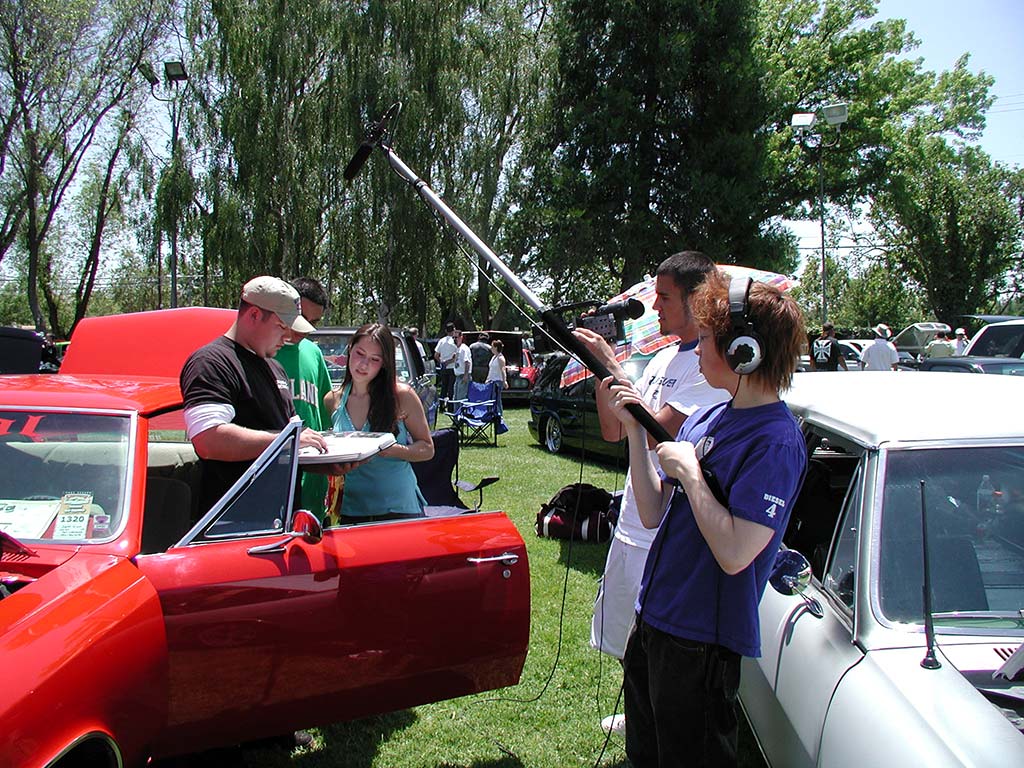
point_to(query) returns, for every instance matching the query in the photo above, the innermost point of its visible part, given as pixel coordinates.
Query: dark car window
(950, 368)
(262, 506)
(842, 564)
(1006, 369)
(1000, 341)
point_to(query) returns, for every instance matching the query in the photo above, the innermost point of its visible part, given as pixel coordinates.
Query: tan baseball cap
(277, 296)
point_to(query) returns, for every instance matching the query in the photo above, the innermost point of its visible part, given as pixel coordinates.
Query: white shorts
(615, 605)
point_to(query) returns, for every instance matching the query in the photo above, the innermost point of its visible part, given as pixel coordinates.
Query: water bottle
(986, 496)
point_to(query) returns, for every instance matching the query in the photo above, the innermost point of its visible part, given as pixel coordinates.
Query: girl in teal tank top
(372, 399)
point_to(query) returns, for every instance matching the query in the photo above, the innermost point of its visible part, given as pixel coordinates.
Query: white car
(845, 677)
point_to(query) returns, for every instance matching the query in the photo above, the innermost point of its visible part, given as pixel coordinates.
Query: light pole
(803, 124)
(174, 72)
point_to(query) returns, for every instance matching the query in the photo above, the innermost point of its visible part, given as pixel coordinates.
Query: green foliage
(654, 143)
(956, 223)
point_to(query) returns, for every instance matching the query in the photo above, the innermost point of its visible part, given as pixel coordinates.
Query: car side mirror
(791, 575)
(307, 527)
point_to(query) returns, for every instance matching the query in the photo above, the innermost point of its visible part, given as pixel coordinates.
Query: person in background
(304, 363)
(880, 355)
(825, 353)
(496, 371)
(463, 367)
(961, 342)
(940, 346)
(446, 354)
(720, 500)
(371, 399)
(415, 333)
(672, 387)
(481, 352)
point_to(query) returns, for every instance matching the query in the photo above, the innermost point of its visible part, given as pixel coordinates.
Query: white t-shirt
(465, 363)
(880, 355)
(672, 377)
(447, 351)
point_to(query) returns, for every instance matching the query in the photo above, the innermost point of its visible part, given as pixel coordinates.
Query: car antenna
(929, 661)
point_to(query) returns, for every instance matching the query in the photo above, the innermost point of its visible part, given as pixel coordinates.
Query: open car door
(269, 630)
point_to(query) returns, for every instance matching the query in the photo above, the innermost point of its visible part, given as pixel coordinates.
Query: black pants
(446, 377)
(680, 700)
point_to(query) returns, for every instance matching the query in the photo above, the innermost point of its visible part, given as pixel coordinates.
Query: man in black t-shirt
(825, 352)
(237, 397)
(480, 358)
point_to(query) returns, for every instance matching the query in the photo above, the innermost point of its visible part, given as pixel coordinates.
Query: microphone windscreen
(355, 165)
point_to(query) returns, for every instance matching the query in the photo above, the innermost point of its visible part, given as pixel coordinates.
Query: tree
(953, 216)
(66, 67)
(655, 142)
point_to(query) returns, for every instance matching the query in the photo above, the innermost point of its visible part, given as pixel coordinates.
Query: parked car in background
(135, 624)
(840, 681)
(1003, 365)
(1005, 339)
(566, 417)
(520, 370)
(912, 340)
(410, 366)
(26, 351)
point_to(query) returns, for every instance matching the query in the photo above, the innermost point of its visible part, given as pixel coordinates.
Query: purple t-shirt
(758, 457)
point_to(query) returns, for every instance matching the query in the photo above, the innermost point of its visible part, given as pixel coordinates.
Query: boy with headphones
(722, 498)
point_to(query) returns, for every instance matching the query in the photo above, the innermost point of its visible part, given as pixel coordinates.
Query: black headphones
(744, 349)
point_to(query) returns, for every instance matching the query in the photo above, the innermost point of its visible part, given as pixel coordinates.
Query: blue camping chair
(478, 418)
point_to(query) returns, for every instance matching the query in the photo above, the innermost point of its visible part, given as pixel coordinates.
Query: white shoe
(614, 723)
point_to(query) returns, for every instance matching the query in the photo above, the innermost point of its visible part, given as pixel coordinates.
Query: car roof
(141, 394)
(876, 407)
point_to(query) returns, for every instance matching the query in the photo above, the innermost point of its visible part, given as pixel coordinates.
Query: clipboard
(343, 447)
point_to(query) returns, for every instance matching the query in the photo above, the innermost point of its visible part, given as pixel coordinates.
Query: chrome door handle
(508, 558)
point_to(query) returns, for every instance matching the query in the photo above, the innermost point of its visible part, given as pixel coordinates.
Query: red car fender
(85, 657)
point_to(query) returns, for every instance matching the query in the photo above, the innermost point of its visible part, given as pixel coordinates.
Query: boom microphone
(355, 165)
(630, 308)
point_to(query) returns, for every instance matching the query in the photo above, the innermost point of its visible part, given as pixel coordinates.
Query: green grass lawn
(552, 718)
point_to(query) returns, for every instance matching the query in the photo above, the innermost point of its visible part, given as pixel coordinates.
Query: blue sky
(992, 32)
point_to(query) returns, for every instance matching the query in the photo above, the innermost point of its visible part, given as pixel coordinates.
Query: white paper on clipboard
(27, 519)
(343, 447)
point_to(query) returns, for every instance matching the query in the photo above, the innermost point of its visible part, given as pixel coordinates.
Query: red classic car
(134, 624)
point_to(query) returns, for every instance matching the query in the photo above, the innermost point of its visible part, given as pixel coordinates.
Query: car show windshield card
(73, 516)
(343, 447)
(27, 519)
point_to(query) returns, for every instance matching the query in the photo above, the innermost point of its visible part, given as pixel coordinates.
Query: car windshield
(62, 475)
(335, 349)
(974, 503)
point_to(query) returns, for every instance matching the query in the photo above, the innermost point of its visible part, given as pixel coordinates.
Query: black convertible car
(566, 417)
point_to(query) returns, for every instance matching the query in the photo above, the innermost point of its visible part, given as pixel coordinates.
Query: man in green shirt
(304, 363)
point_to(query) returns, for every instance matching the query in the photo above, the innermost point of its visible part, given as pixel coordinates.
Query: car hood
(33, 583)
(961, 691)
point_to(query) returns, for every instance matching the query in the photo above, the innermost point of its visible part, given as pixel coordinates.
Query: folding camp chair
(435, 478)
(478, 418)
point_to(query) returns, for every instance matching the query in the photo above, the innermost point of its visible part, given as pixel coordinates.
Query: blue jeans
(680, 698)
(498, 386)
